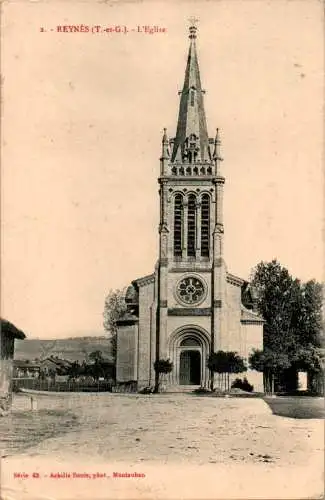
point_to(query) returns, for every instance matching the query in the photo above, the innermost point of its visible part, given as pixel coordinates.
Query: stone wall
(252, 338)
(146, 356)
(127, 347)
(232, 340)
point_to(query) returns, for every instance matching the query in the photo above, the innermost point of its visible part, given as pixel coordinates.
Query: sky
(83, 115)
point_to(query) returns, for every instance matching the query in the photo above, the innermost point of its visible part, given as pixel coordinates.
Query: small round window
(190, 290)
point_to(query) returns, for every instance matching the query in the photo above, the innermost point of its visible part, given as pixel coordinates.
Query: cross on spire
(193, 21)
(193, 27)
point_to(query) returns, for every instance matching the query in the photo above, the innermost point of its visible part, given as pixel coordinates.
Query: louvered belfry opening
(191, 226)
(178, 224)
(205, 226)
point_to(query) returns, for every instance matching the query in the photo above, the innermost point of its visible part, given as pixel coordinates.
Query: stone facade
(191, 305)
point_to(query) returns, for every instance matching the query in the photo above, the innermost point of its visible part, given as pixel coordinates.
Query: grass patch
(22, 429)
(297, 407)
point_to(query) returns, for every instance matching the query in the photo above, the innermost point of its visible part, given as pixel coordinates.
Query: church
(190, 305)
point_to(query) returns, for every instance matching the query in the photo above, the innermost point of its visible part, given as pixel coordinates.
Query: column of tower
(163, 251)
(218, 325)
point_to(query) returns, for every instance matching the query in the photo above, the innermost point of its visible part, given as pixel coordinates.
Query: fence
(67, 386)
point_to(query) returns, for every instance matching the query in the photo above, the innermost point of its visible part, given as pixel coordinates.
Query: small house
(26, 369)
(54, 367)
(8, 334)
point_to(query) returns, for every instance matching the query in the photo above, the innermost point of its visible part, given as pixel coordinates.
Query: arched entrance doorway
(188, 350)
(190, 368)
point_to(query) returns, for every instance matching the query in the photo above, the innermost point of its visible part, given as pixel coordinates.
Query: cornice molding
(189, 311)
(250, 317)
(234, 280)
(145, 280)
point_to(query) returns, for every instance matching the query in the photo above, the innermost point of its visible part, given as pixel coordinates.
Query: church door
(190, 368)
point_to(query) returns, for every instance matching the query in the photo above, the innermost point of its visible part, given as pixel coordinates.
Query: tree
(224, 363)
(114, 309)
(99, 367)
(96, 356)
(309, 317)
(293, 314)
(74, 370)
(216, 364)
(277, 296)
(270, 363)
(161, 366)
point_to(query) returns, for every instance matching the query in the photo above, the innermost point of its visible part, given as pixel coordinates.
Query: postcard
(162, 250)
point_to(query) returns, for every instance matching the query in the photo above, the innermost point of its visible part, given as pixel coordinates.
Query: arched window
(191, 225)
(178, 222)
(205, 226)
(190, 342)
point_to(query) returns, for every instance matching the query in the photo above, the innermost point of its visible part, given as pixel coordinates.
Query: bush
(201, 390)
(163, 366)
(147, 390)
(244, 385)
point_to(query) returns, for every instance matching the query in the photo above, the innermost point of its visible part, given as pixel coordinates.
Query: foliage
(309, 324)
(225, 362)
(202, 390)
(147, 390)
(268, 360)
(270, 363)
(74, 371)
(96, 356)
(92, 371)
(114, 309)
(293, 314)
(161, 367)
(243, 384)
(307, 358)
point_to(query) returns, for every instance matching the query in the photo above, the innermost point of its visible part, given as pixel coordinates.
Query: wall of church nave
(126, 357)
(253, 377)
(256, 379)
(173, 279)
(252, 338)
(232, 341)
(146, 329)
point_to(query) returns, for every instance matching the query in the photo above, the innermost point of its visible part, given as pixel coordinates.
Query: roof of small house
(62, 363)
(25, 363)
(10, 329)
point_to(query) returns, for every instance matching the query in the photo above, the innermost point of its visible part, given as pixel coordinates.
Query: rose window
(190, 290)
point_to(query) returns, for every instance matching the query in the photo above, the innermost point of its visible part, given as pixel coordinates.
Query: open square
(226, 441)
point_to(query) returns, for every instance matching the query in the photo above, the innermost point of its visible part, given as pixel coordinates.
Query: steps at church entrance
(180, 388)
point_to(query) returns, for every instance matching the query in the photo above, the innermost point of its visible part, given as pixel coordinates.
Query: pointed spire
(191, 142)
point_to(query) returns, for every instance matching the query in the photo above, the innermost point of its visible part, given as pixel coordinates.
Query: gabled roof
(22, 363)
(235, 280)
(58, 361)
(250, 317)
(145, 280)
(10, 330)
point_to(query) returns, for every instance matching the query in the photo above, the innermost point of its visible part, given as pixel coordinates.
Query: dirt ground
(187, 446)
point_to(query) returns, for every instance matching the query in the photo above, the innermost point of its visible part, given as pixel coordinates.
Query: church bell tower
(191, 272)
(191, 305)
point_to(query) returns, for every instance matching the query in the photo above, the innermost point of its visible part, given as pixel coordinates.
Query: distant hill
(73, 349)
